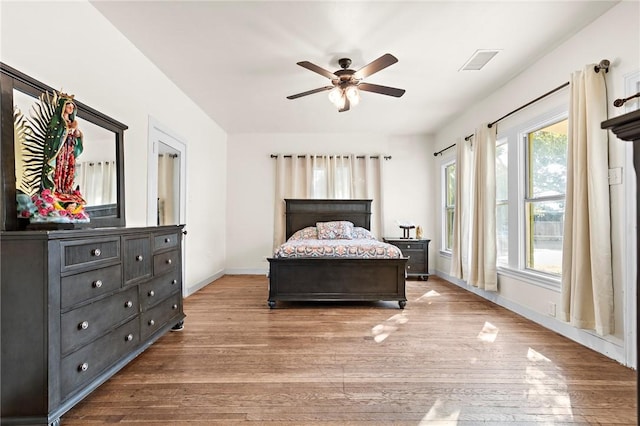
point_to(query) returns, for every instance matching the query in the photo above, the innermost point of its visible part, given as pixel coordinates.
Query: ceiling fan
(347, 83)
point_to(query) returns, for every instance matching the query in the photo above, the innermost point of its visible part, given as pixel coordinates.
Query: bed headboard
(303, 213)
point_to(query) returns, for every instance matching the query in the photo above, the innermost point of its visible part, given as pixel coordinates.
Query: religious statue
(52, 141)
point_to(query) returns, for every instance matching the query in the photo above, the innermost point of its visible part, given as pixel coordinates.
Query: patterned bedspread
(358, 248)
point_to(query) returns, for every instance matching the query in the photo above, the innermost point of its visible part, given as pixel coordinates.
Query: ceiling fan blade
(379, 64)
(310, 92)
(346, 106)
(313, 67)
(383, 90)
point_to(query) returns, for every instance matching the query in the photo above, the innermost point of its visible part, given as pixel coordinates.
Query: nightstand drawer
(406, 245)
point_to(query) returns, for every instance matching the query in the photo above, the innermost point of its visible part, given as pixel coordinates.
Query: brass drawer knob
(97, 284)
(83, 367)
(128, 304)
(83, 325)
(96, 252)
(128, 337)
(152, 293)
(152, 322)
(139, 258)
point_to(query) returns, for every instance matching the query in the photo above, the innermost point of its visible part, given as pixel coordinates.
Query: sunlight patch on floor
(428, 295)
(441, 415)
(382, 331)
(548, 388)
(489, 333)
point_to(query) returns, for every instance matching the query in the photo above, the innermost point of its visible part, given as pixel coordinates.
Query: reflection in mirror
(168, 185)
(96, 171)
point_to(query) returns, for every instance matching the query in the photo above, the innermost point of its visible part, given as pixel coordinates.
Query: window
(546, 164)
(502, 201)
(449, 191)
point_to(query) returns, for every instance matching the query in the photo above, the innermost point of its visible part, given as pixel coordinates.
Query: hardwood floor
(449, 358)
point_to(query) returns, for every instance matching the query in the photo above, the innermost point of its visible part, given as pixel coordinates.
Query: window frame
(516, 135)
(446, 162)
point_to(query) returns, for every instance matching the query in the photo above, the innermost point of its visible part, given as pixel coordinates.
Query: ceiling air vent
(478, 60)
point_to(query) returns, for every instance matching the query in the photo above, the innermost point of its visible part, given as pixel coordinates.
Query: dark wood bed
(333, 279)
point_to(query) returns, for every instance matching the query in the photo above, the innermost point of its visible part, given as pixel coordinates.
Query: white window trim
(450, 159)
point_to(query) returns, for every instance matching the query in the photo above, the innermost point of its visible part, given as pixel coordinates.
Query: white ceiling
(237, 59)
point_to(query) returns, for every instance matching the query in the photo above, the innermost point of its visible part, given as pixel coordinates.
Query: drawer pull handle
(174, 307)
(96, 252)
(174, 282)
(129, 337)
(97, 284)
(167, 240)
(408, 266)
(408, 246)
(169, 261)
(139, 258)
(152, 293)
(128, 304)
(152, 322)
(83, 367)
(83, 325)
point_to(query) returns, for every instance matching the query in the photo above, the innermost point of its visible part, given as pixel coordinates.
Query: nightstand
(418, 253)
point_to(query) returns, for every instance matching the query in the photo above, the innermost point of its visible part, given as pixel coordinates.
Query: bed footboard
(337, 279)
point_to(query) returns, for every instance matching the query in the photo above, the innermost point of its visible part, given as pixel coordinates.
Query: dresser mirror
(99, 168)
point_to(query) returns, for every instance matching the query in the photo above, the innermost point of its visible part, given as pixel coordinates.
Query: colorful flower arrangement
(45, 206)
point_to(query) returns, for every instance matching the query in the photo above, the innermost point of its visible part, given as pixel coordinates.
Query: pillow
(338, 230)
(308, 233)
(362, 234)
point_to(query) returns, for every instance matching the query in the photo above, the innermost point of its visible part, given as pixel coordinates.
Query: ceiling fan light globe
(353, 94)
(334, 95)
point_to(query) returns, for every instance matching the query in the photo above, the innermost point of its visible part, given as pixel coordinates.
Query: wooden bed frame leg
(402, 303)
(272, 304)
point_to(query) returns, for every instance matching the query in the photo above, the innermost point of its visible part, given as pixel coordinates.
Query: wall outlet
(615, 176)
(551, 308)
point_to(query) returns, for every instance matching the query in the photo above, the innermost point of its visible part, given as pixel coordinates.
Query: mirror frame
(107, 215)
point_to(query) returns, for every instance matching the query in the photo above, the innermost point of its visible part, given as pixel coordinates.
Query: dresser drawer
(136, 258)
(80, 326)
(89, 253)
(159, 288)
(156, 317)
(161, 242)
(165, 262)
(87, 285)
(85, 364)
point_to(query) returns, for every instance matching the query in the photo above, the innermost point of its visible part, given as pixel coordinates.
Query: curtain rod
(602, 65)
(386, 157)
(435, 154)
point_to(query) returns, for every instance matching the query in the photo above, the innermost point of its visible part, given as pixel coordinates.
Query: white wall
(408, 189)
(71, 47)
(614, 36)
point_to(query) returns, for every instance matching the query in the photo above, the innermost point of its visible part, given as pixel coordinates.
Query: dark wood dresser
(77, 306)
(418, 253)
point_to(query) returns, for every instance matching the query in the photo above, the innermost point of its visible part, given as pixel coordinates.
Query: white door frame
(158, 132)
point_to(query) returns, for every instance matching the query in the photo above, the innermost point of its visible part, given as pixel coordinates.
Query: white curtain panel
(327, 177)
(461, 219)
(587, 283)
(97, 182)
(483, 252)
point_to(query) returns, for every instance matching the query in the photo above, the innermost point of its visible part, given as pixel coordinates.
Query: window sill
(530, 277)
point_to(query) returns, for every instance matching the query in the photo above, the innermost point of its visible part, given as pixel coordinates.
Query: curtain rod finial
(603, 65)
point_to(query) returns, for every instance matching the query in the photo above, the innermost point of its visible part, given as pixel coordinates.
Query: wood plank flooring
(449, 358)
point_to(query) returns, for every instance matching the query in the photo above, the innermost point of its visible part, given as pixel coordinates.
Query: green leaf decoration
(31, 133)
